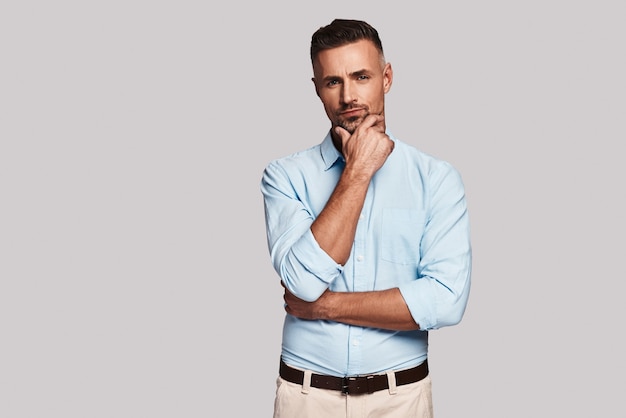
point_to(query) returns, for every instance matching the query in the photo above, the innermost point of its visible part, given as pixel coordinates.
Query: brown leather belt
(355, 385)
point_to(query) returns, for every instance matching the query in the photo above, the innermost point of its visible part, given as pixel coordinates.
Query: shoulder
(290, 167)
(317, 157)
(423, 161)
(297, 159)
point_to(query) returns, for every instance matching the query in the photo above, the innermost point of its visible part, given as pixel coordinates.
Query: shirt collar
(330, 155)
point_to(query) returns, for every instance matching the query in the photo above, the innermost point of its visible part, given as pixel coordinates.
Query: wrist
(324, 305)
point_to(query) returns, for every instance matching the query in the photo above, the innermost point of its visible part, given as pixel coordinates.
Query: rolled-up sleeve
(439, 295)
(304, 268)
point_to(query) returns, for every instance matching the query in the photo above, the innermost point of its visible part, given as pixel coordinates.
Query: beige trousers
(302, 401)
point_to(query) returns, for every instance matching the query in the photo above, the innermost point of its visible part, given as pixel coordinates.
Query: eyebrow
(360, 72)
(351, 75)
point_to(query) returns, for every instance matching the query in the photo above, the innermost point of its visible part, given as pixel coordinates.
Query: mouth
(353, 112)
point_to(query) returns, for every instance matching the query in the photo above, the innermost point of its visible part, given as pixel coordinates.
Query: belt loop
(306, 382)
(391, 379)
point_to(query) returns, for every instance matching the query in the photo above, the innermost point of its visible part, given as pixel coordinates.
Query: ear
(387, 77)
(315, 84)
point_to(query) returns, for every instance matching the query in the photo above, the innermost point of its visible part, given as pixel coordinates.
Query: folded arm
(383, 309)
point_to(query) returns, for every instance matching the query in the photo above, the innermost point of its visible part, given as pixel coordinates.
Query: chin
(350, 125)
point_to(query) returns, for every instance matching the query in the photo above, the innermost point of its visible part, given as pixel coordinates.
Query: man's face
(351, 81)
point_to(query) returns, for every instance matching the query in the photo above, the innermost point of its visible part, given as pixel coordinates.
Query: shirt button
(361, 217)
(355, 342)
(359, 258)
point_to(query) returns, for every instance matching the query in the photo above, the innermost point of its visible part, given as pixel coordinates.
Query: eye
(332, 83)
(362, 77)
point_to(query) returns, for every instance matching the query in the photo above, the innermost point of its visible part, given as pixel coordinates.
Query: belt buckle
(345, 385)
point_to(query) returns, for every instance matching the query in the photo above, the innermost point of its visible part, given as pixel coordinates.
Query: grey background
(134, 274)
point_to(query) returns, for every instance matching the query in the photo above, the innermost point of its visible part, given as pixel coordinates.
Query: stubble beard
(350, 124)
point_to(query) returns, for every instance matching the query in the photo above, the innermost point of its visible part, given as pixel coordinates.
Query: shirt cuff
(317, 263)
(419, 299)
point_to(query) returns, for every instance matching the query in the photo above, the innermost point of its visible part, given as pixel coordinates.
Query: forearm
(335, 226)
(385, 309)
(364, 151)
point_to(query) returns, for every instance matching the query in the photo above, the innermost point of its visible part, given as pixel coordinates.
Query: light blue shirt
(413, 233)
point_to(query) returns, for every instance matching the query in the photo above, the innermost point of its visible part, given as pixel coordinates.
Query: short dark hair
(341, 32)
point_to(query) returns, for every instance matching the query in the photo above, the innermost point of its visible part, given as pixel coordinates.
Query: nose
(348, 93)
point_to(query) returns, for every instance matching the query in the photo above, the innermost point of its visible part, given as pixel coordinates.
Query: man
(370, 238)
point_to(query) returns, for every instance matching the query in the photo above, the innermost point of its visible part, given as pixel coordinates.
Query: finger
(372, 120)
(380, 122)
(343, 134)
